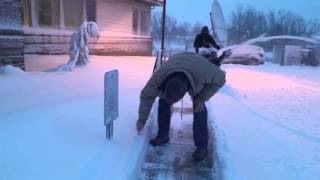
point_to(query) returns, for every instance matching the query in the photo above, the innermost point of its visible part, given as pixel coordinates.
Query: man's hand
(198, 105)
(139, 125)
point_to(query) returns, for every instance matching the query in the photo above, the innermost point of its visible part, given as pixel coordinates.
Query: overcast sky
(198, 10)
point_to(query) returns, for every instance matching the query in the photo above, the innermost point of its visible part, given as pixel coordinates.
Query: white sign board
(111, 92)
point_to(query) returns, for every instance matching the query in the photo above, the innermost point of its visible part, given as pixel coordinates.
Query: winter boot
(200, 154)
(159, 141)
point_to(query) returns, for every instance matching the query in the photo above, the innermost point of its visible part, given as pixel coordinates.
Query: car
(243, 54)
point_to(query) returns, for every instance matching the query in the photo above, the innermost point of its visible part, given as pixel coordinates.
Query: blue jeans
(200, 126)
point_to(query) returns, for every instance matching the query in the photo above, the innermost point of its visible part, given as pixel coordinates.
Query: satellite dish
(219, 25)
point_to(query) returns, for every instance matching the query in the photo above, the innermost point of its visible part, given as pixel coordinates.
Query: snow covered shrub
(79, 50)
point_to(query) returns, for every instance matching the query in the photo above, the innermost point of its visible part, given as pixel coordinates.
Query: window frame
(27, 19)
(140, 21)
(91, 14)
(67, 26)
(144, 29)
(31, 7)
(135, 21)
(54, 14)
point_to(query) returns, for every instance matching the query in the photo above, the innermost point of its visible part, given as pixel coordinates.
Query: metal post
(156, 62)
(181, 108)
(111, 128)
(163, 28)
(107, 131)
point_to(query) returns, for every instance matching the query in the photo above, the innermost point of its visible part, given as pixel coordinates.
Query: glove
(140, 125)
(227, 53)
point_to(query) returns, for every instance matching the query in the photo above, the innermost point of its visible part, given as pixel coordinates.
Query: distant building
(45, 27)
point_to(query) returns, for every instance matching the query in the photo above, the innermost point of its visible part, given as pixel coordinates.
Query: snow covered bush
(79, 50)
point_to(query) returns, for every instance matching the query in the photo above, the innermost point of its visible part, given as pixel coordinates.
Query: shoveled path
(174, 160)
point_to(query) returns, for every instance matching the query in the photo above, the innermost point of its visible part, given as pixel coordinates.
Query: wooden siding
(116, 16)
(59, 44)
(11, 33)
(121, 46)
(115, 21)
(11, 51)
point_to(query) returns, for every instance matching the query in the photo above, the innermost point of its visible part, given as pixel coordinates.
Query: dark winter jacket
(204, 39)
(204, 77)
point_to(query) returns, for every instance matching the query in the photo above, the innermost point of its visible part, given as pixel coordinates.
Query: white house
(45, 26)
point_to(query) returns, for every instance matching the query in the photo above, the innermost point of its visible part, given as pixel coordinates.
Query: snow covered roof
(269, 38)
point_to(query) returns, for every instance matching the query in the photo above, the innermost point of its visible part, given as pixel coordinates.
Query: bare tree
(156, 25)
(186, 35)
(286, 23)
(175, 31)
(313, 27)
(247, 23)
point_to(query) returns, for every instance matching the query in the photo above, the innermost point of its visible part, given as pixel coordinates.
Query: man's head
(176, 87)
(205, 29)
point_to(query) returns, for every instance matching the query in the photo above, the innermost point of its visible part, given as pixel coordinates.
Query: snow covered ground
(51, 124)
(267, 119)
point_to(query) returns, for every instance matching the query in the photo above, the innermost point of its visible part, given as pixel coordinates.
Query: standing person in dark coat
(184, 72)
(204, 39)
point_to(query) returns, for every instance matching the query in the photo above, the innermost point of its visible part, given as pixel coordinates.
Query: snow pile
(9, 69)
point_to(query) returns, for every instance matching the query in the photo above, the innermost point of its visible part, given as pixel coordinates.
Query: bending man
(185, 72)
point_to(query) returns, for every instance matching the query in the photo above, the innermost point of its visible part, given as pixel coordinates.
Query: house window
(48, 12)
(91, 10)
(140, 23)
(73, 13)
(26, 13)
(135, 21)
(53, 13)
(144, 22)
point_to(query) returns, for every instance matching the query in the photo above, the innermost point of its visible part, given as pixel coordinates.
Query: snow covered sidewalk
(174, 160)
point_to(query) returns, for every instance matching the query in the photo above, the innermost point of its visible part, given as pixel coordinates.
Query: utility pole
(163, 29)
